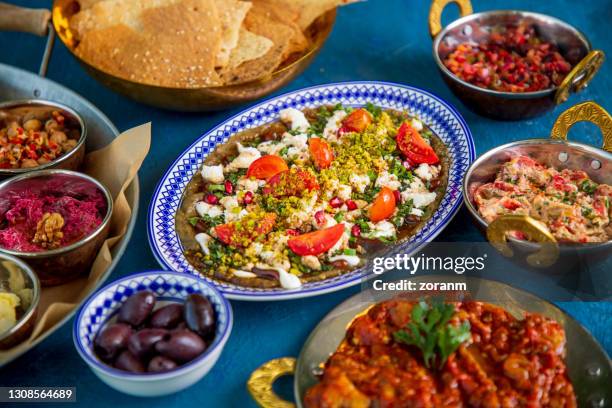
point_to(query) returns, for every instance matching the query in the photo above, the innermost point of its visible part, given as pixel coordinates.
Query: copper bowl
(474, 28)
(71, 160)
(14, 272)
(60, 265)
(543, 251)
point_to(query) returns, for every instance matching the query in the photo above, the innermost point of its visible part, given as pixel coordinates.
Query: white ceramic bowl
(104, 304)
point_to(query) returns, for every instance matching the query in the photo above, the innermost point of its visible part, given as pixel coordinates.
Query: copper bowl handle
(580, 76)
(33, 21)
(497, 234)
(261, 381)
(435, 13)
(586, 111)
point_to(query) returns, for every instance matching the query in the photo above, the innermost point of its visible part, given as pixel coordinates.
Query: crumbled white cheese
(213, 174)
(299, 141)
(344, 192)
(343, 242)
(328, 222)
(360, 181)
(386, 179)
(333, 125)
(417, 212)
(229, 202)
(271, 147)
(424, 171)
(246, 156)
(203, 209)
(311, 262)
(203, 239)
(416, 186)
(416, 124)
(243, 274)
(296, 118)
(351, 260)
(419, 200)
(382, 229)
(248, 184)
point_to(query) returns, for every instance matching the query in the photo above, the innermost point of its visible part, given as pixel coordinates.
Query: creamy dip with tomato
(308, 197)
(573, 207)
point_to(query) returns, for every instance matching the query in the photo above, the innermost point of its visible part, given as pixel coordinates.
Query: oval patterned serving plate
(441, 118)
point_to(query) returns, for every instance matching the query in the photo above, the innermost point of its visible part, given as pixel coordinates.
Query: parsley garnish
(403, 211)
(430, 331)
(376, 111)
(588, 186)
(207, 219)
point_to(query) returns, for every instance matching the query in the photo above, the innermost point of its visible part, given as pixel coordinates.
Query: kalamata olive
(167, 317)
(137, 308)
(160, 364)
(200, 315)
(142, 343)
(129, 362)
(110, 341)
(181, 346)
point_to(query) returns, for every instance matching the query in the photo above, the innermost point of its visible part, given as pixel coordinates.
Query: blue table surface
(377, 40)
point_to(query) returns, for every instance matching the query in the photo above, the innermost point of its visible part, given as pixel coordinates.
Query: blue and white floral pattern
(104, 304)
(443, 119)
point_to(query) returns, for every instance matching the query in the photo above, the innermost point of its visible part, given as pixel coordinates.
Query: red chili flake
(248, 197)
(356, 230)
(336, 202)
(211, 199)
(320, 217)
(229, 187)
(292, 232)
(351, 205)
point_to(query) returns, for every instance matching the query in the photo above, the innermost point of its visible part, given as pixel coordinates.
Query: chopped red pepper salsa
(513, 59)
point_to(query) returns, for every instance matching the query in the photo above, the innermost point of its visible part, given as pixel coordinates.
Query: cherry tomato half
(266, 167)
(317, 242)
(293, 182)
(321, 152)
(414, 147)
(383, 206)
(240, 235)
(357, 121)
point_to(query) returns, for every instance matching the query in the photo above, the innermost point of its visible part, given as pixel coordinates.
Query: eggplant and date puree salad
(33, 136)
(402, 353)
(307, 197)
(149, 339)
(573, 207)
(40, 221)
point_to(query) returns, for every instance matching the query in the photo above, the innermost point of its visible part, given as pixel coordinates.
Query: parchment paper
(115, 166)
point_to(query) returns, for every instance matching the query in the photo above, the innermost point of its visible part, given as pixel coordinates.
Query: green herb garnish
(376, 111)
(588, 186)
(403, 211)
(430, 331)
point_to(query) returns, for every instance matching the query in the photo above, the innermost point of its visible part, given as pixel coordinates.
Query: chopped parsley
(588, 186)
(403, 210)
(207, 219)
(376, 111)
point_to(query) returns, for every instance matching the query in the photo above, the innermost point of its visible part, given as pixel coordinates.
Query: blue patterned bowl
(104, 304)
(442, 118)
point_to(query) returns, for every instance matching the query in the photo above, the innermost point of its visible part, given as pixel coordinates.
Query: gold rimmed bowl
(179, 99)
(542, 250)
(475, 28)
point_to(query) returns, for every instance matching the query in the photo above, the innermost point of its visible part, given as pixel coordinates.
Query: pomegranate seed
(336, 202)
(356, 230)
(320, 217)
(398, 196)
(248, 197)
(292, 232)
(211, 199)
(351, 205)
(229, 187)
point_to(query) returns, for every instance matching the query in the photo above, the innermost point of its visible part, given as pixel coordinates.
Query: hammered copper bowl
(12, 269)
(545, 253)
(71, 160)
(64, 264)
(475, 28)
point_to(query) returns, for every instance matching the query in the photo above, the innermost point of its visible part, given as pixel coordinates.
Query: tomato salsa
(502, 362)
(512, 59)
(308, 197)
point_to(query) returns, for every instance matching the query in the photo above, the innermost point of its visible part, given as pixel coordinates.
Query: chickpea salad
(310, 196)
(32, 137)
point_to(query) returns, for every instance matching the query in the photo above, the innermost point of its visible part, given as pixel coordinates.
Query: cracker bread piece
(250, 46)
(287, 15)
(309, 10)
(231, 14)
(175, 47)
(260, 23)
